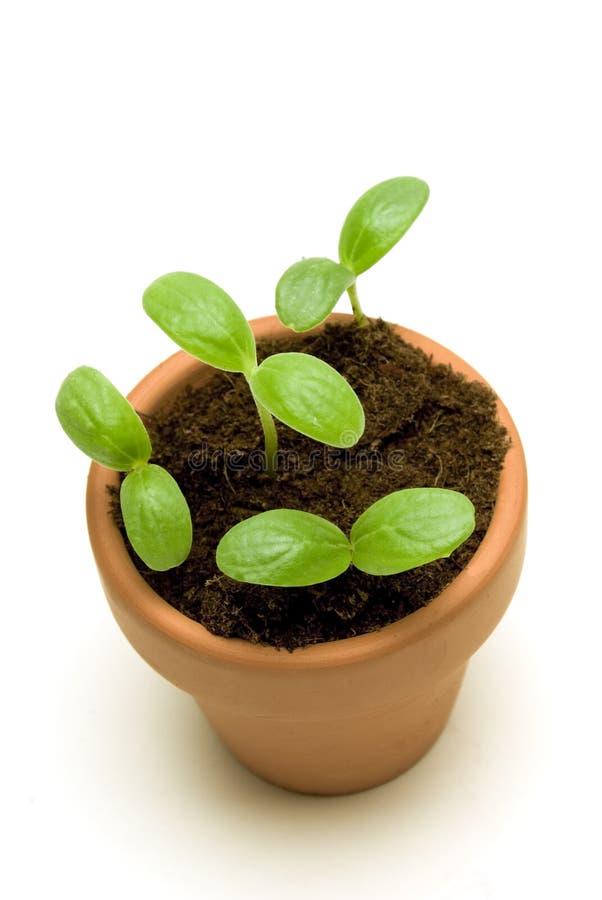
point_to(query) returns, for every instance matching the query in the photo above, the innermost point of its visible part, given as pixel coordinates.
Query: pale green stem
(270, 437)
(360, 318)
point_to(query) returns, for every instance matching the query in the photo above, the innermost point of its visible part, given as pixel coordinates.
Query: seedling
(281, 547)
(101, 422)
(298, 389)
(292, 548)
(308, 291)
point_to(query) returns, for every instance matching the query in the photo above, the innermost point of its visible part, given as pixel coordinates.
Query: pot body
(330, 718)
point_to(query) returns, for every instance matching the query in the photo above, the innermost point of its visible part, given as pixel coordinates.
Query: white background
(230, 139)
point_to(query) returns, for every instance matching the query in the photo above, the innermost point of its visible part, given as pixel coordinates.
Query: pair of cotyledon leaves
(292, 548)
(298, 389)
(104, 425)
(308, 291)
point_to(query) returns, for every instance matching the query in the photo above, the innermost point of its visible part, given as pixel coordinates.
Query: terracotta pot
(336, 717)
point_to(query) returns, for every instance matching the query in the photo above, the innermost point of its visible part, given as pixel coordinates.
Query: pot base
(341, 755)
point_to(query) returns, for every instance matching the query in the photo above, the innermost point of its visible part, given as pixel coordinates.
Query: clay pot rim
(119, 573)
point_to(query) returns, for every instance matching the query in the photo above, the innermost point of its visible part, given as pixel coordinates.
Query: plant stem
(360, 318)
(270, 437)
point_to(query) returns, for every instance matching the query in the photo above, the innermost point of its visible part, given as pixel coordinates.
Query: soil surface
(426, 426)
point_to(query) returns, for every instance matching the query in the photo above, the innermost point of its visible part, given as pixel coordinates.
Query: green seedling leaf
(378, 220)
(310, 396)
(156, 517)
(202, 319)
(284, 548)
(409, 528)
(308, 290)
(100, 421)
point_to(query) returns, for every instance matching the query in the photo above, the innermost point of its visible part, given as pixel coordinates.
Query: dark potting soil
(426, 426)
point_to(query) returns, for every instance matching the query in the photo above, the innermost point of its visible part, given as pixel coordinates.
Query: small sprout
(101, 422)
(285, 548)
(298, 389)
(290, 548)
(308, 291)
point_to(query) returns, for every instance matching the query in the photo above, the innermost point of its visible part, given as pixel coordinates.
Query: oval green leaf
(100, 421)
(310, 396)
(308, 290)
(156, 517)
(202, 319)
(409, 528)
(379, 219)
(284, 548)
